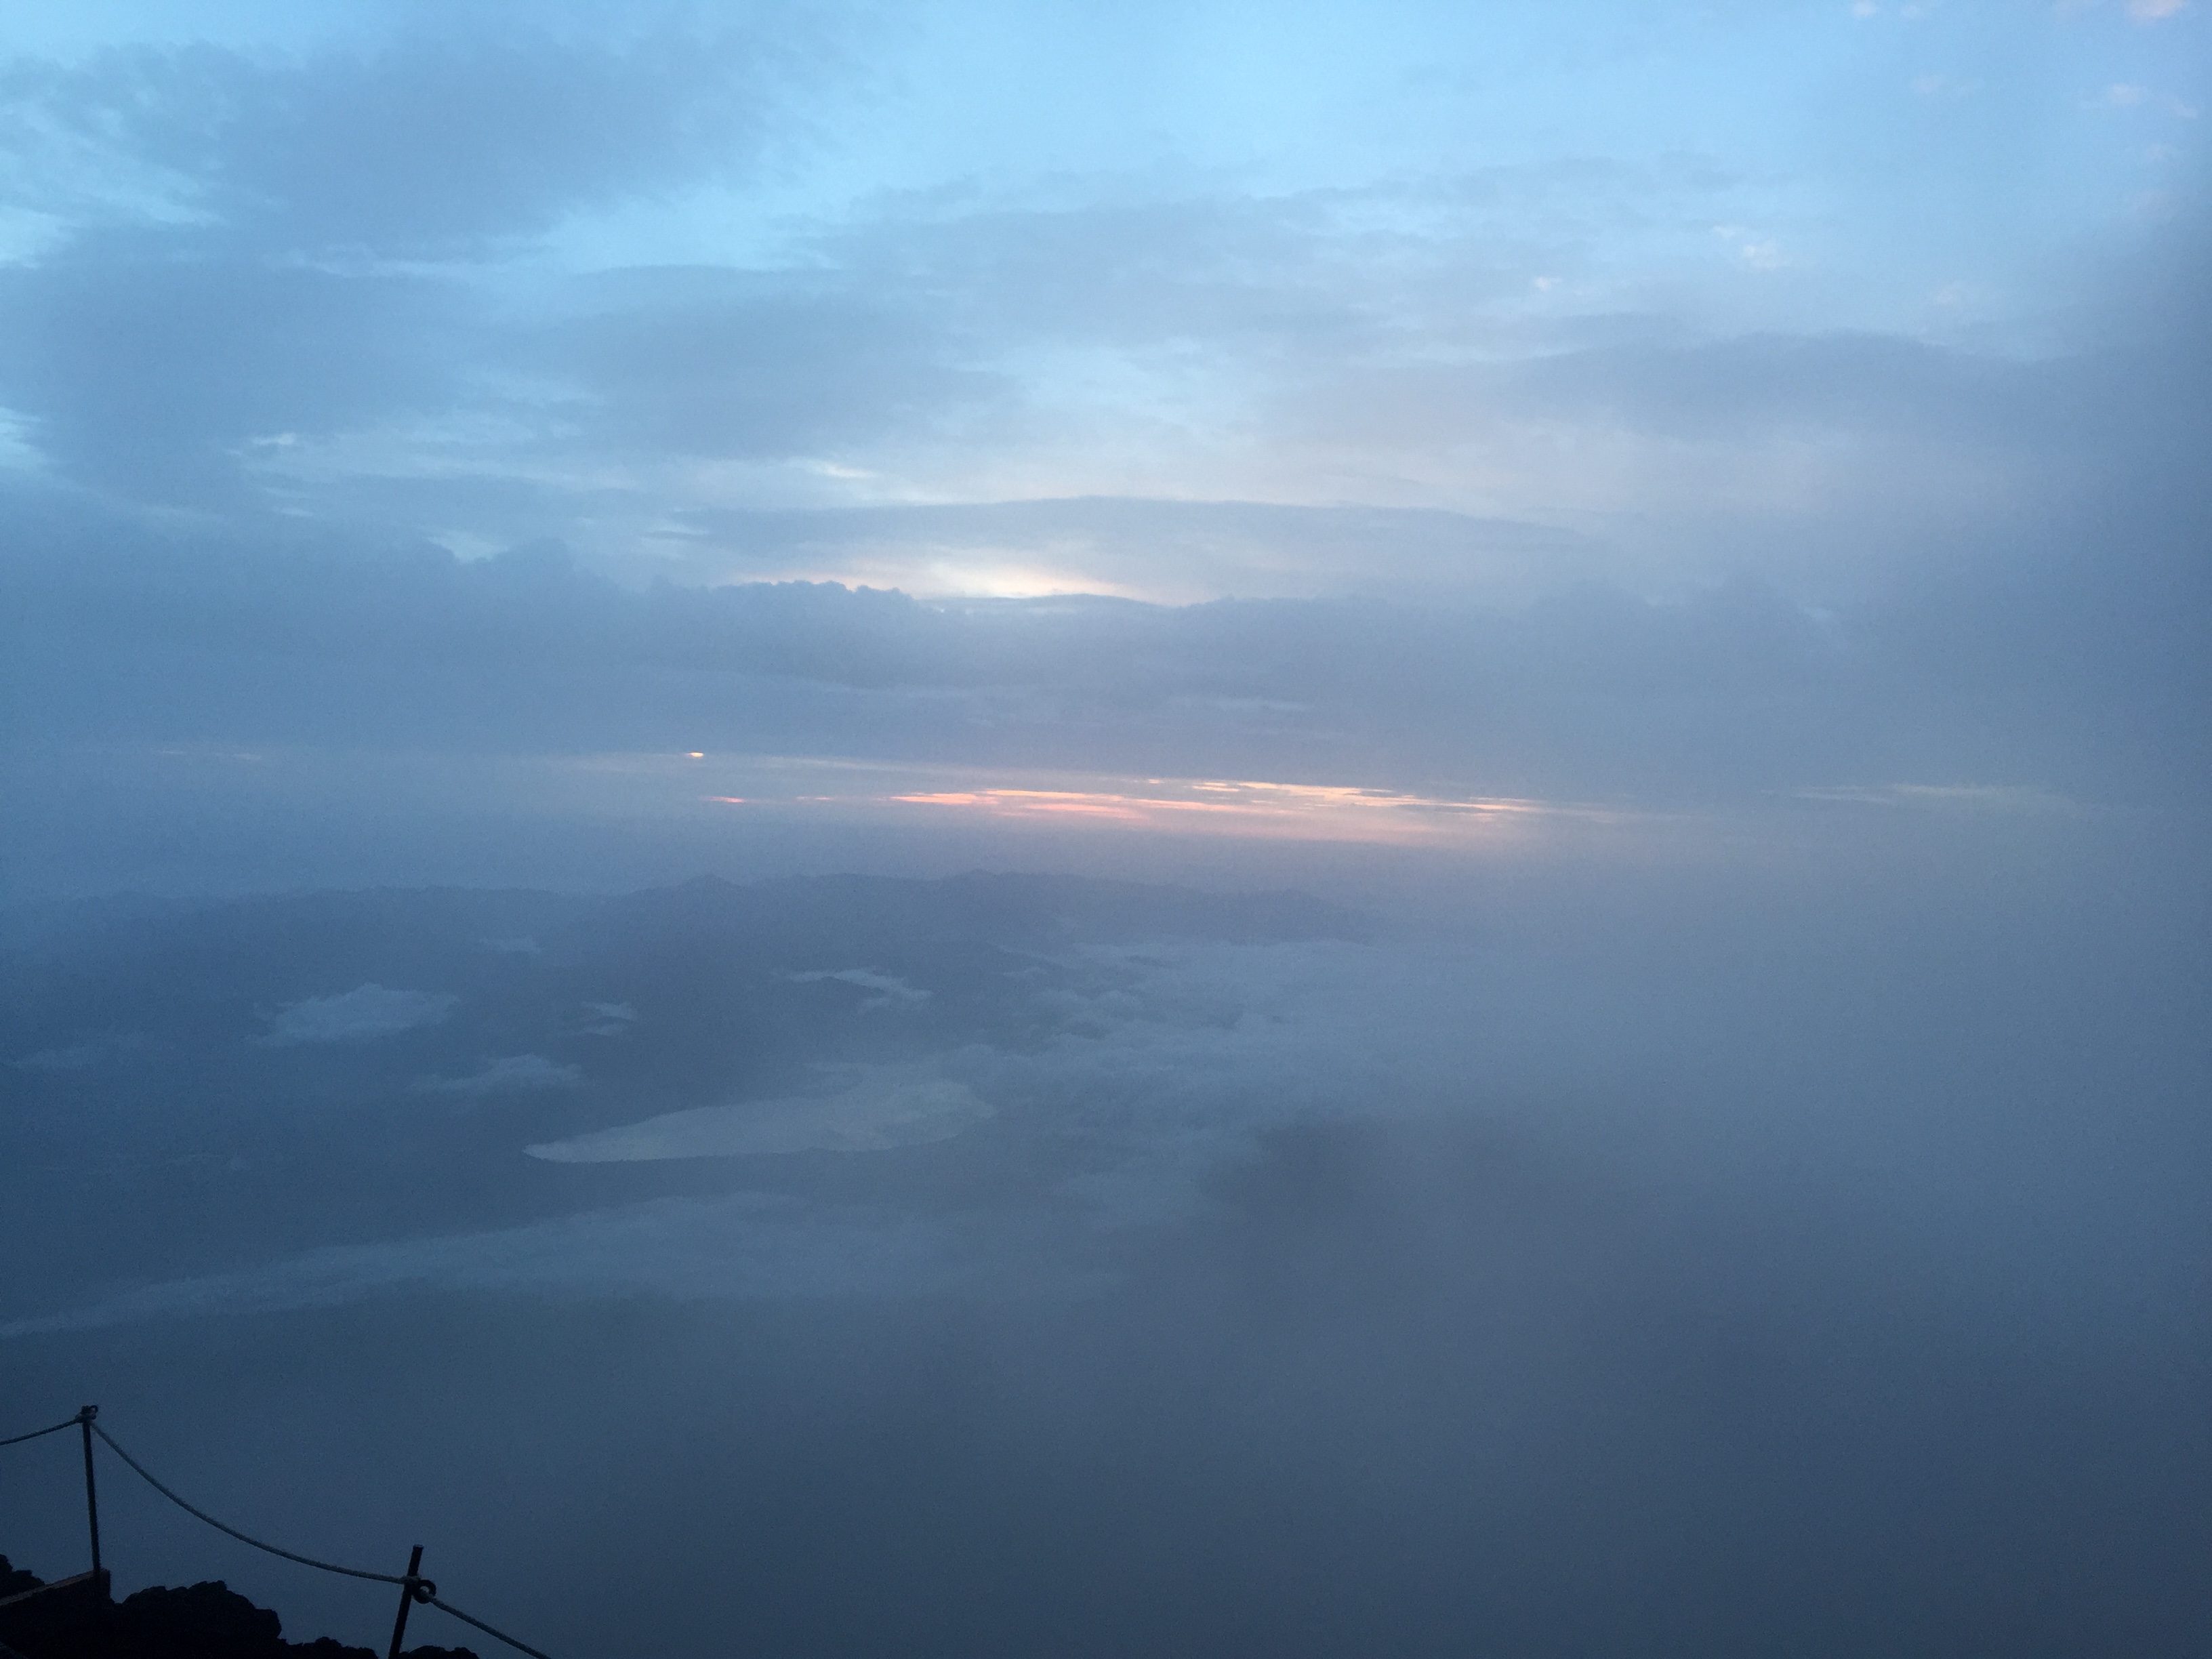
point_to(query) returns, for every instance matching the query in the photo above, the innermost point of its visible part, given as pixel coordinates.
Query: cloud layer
(892, 1109)
(385, 277)
(359, 1015)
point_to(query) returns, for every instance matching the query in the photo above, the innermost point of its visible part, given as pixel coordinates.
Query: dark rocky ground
(196, 1622)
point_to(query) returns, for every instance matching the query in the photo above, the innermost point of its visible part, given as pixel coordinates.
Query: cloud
(1991, 657)
(891, 991)
(154, 376)
(1171, 1059)
(1251, 809)
(684, 363)
(1370, 342)
(1601, 1247)
(890, 1106)
(1168, 551)
(507, 1074)
(428, 141)
(363, 1013)
(1652, 1032)
(247, 256)
(1205, 442)
(1207, 345)
(1948, 797)
(1689, 553)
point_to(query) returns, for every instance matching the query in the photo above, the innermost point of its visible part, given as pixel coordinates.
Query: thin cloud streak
(1249, 807)
(1257, 808)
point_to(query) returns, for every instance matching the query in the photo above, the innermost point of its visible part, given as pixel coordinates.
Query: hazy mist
(947, 829)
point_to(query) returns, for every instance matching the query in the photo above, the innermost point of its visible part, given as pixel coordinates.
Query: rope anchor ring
(423, 1590)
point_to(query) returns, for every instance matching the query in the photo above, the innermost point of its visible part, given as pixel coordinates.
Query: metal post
(84, 1416)
(406, 1600)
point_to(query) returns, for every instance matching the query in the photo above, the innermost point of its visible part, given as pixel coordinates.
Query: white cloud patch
(1757, 251)
(891, 1106)
(365, 1013)
(891, 993)
(1944, 86)
(19, 450)
(610, 1019)
(507, 1074)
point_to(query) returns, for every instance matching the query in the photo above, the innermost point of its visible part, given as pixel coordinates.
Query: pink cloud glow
(1205, 806)
(1305, 812)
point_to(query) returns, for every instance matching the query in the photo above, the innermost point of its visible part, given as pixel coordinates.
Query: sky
(629, 275)
(1202, 829)
(1428, 381)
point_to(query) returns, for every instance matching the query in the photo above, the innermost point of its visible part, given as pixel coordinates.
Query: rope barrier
(66, 1423)
(303, 1560)
(467, 1619)
(416, 1587)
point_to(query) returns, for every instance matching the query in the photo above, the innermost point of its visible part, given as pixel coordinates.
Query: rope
(66, 1422)
(303, 1560)
(522, 1646)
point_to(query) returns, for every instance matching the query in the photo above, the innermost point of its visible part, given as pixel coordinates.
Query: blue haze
(1192, 829)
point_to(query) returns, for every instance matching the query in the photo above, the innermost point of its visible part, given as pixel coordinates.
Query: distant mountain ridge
(1003, 907)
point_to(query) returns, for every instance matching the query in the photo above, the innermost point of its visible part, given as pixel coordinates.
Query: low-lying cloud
(889, 991)
(892, 1109)
(360, 1015)
(507, 1073)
